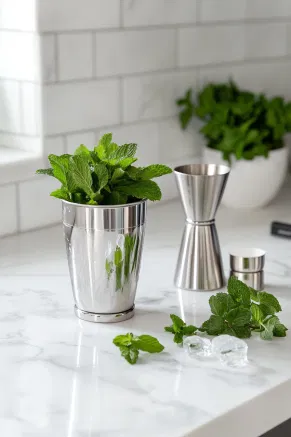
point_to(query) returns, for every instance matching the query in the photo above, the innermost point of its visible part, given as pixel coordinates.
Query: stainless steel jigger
(199, 264)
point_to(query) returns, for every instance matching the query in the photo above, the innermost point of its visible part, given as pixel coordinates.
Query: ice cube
(197, 346)
(230, 350)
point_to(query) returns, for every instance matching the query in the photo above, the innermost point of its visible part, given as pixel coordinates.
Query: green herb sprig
(238, 312)
(237, 122)
(180, 329)
(105, 175)
(130, 345)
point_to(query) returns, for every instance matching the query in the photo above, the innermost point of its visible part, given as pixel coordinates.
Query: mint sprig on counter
(130, 345)
(180, 329)
(105, 175)
(238, 312)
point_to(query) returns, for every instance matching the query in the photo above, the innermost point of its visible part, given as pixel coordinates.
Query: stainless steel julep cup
(199, 265)
(104, 246)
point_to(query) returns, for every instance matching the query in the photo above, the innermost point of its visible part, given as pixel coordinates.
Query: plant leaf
(47, 171)
(123, 340)
(178, 337)
(221, 303)
(141, 190)
(214, 325)
(130, 353)
(280, 330)
(102, 175)
(80, 173)
(270, 301)
(269, 325)
(189, 330)
(60, 166)
(82, 150)
(238, 317)
(178, 323)
(154, 171)
(239, 291)
(169, 329)
(147, 343)
(61, 193)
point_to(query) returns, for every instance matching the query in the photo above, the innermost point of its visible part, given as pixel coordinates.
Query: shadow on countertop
(283, 430)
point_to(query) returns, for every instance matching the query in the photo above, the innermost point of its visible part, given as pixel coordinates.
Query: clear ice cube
(230, 350)
(197, 346)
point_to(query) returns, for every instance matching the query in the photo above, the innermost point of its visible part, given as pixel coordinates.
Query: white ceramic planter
(252, 184)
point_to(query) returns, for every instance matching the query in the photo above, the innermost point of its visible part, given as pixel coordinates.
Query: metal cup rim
(224, 169)
(125, 205)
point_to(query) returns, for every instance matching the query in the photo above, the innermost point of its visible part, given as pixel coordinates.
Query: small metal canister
(247, 264)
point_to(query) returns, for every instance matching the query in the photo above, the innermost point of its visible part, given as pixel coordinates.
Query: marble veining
(62, 377)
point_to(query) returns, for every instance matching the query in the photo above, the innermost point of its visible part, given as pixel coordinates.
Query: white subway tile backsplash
(8, 216)
(19, 55)
(56, 15)
(37, 208)
(79, 106)
(31, 108)
(134, 51)
(10, 114)
(272, 78)
(221, 10)
(210, 45)
(14, 141)
(155, 12)
(48, 58)
(54, 145)
(146, 137)
(268, 9)
(175, 143)
(265, 40)
(74, 140)
(153, 96)
(75, 56)
(18, 14)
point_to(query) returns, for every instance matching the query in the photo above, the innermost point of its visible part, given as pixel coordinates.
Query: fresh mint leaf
(105, 149)
(81, 173)
(221, 303)
(239, 291)
(215, 325)
(106, 140)
(147, 343)
(61, 193)
(270, 301)
(169, 329)
(141, 190)
(189, 330)
(178, 323)
(102, 175)
(47, 171)
(257, 314)
(269, 325)
(130, 345)
(130, 353)
(60, 166)
(117, 174)
(280, 330)
(118, 256)
(133, 172)
(254, 294)
(123, 152)
(82, 150)
(154, 171)
(242, 331)
(125, 163)
(178, 337)
(123, 340)
(238, 317)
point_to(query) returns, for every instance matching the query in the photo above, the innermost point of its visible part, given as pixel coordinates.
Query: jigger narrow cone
(199, 265)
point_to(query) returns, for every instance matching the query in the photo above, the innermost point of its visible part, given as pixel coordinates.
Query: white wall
(119, 65)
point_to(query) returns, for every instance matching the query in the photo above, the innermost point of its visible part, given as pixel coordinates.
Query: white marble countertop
(61, 377)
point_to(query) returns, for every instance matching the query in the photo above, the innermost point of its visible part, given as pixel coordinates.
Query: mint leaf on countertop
(239, 291)
(179, 329)
(269, 301)
(130, 345)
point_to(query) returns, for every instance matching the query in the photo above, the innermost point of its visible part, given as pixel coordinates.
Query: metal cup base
(104, 318)
(254, 280)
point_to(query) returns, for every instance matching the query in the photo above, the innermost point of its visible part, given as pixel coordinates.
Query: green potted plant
(245, 130)
(104, 200)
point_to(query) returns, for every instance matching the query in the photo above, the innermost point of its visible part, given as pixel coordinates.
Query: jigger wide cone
(199, 265)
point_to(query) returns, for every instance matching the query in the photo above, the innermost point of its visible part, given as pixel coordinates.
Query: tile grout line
(121, 14)
(20, 102)
(121, 97)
